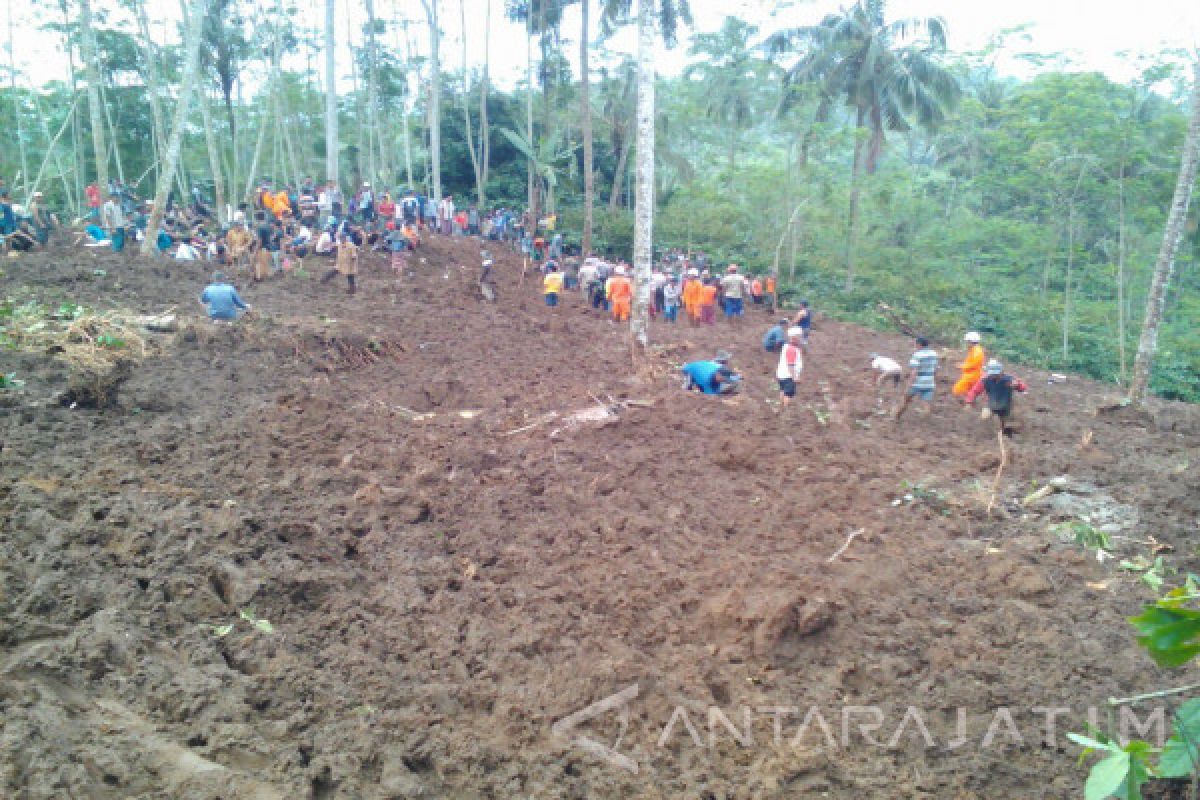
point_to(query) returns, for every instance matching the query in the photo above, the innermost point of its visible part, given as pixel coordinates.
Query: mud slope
(443, 562)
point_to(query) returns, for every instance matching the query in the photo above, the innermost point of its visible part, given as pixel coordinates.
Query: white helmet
(972, 337)
(619, 270)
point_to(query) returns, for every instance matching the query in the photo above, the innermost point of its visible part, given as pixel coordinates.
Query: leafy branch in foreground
(1169, 630)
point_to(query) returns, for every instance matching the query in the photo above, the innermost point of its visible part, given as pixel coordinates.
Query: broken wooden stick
(1000, 470)
(539, 421)
(853, 535)
(891, 314)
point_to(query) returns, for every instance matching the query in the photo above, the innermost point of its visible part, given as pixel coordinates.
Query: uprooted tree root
(329, 353)
(100, 351)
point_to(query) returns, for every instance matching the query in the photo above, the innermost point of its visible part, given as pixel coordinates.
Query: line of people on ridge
(674, 285)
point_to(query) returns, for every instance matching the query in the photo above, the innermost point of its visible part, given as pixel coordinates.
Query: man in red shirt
(999, 388)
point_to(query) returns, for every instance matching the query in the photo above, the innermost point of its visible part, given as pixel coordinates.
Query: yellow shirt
(552, 283)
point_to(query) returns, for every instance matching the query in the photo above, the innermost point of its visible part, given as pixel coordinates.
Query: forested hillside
(1029, 209)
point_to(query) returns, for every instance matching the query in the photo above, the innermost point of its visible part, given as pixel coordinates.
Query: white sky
(1091, 34)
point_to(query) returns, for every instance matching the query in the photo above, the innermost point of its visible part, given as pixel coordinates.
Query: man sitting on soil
(711, 377)
(222, 300)
(999, 388)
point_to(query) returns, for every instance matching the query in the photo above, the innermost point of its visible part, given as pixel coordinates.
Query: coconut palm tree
(888, 73)
(664, 15)
(732, 74)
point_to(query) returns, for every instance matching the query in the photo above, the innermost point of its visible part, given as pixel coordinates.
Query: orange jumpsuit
(972, 370)
(708, 304)
(620, 294)
(690, 297)
(281, 204)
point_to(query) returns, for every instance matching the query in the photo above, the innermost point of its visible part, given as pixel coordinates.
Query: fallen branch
(853, 535)
(539, 421)
(1000, 470)
(891, 314)
(1040, 494)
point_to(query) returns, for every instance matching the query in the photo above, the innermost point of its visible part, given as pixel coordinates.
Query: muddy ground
(287, 565)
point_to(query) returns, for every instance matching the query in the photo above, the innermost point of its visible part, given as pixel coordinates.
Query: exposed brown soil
(442, 590)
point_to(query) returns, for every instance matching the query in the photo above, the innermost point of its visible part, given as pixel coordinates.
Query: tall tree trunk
(529, 171)
(152, 84)
(466, 106)
(214, 159)
(1122, 323)
(643, 223)
(855, 191)
(331, 103)
(192, 24)
(373, 152)
(435, 97)
(75, 197)
(404, 113)
(585, 129)
(93, 79)
(614, 199)
(1165, 265)
(485, 146)
(1066, 320)
(18, 112)
(51, 151)
(260, 139)
(113, 140)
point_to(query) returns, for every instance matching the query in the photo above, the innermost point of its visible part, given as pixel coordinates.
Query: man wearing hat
(733, 290)
(999, 388)
(972, 365)
(711, 377)
(222, 299)
(619, 292)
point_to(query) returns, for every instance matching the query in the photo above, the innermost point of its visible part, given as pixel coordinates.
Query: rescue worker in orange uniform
(620, 295)
(281, 204)
(707, 311)
(972, 365)
(690, 296)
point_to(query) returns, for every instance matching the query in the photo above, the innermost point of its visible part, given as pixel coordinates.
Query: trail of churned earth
(378, 546)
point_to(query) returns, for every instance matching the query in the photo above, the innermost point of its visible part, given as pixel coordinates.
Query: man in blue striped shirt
(922, 368)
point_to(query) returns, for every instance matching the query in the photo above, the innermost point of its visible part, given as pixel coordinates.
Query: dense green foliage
(1007, 206)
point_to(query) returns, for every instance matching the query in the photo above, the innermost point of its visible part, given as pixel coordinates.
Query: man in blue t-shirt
(711, 377)
(222, 299)
(922, 367)
(776, 337)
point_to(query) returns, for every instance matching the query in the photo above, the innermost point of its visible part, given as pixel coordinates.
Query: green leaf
(1170, 633)
(222, 630)
(1181, 754)
(1089, 744)
(1107, 777)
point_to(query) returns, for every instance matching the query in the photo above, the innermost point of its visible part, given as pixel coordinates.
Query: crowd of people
(24, 228)
(675, 284)
(284, 225)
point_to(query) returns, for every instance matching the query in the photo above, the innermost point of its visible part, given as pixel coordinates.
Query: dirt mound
(376, 546)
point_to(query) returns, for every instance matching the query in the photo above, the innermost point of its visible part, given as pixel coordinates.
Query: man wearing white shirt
(446, 214)
(886, 369)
